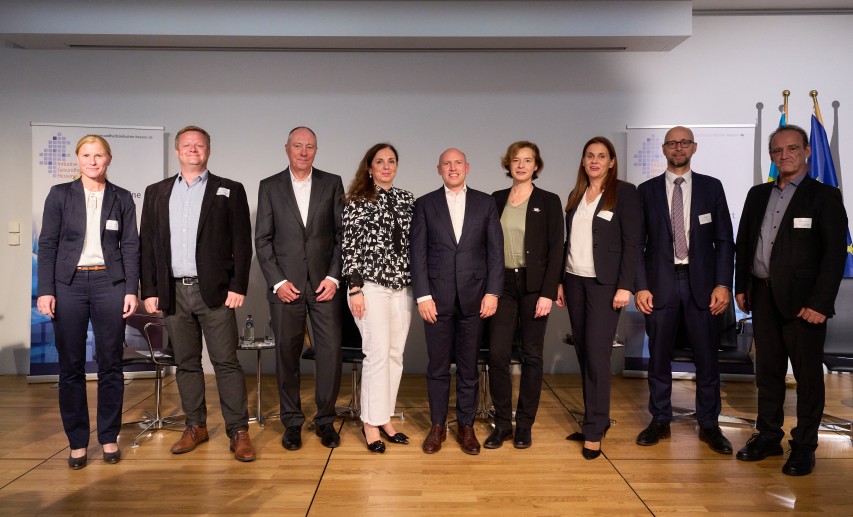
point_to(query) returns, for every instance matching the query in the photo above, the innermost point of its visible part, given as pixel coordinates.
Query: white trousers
(384, 329)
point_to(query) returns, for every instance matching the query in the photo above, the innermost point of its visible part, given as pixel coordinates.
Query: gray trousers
(219, 326)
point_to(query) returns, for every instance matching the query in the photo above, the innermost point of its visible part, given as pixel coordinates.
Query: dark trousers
(289, 320)
(516, 307)
(459, 333)
(702, 333)
(193, 318)
(776, 340)
(90, 296)
(593, 320)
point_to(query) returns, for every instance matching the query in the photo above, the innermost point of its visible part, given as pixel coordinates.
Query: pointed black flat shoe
(378, 446)
(398, 437)
(590, 454)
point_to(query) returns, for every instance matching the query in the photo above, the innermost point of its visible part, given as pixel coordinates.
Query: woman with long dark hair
(88, 270)
(603, 232)
(377, 217)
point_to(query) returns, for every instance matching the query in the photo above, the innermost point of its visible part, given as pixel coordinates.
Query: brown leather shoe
(193, 435)
(241, 446)
(437, 434)
(468, 440)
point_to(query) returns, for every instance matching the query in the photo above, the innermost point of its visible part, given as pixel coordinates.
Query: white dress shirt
(93, 254)
(580, 261)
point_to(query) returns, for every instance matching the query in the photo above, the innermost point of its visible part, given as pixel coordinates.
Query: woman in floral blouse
(377, 217)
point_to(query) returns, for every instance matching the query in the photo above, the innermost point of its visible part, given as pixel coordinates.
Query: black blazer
(290, 250)
(445, 269)
(806, 264)
(223, 247)
(711, 243)
(615, 242)
(63, 229)
(543, 239)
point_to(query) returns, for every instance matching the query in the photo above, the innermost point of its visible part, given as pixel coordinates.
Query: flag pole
(785, 94)
(813, 95)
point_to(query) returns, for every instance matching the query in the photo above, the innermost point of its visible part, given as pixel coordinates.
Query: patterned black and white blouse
(376, 239)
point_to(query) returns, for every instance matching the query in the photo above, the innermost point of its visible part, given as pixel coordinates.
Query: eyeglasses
(672, 144)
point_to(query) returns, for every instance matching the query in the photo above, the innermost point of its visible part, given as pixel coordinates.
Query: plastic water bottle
(249, 330)
(269, 337)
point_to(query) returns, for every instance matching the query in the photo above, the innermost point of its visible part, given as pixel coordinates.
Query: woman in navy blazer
(88, 269)
(532, 226)
(603, 225)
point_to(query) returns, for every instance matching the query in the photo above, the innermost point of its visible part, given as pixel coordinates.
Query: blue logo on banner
(55, 152)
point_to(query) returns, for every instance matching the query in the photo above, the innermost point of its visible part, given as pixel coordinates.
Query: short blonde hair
(94, 139)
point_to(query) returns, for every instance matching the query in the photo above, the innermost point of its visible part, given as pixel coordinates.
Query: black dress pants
(777, 339)
(593, 320)
(516, 308)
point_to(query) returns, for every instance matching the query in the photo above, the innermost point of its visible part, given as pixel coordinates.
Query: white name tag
(222, 191)
(704, 218)
(802, 222)
(606, 215)
(112, 224)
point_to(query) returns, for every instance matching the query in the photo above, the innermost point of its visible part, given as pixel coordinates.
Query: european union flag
(774, 171)
(822, 168)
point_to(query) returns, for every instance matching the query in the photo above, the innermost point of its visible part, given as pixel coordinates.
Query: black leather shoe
(398, 437)
(713, 436)
(590, 454)
(757, 448)
(378, 446)
(800, 462)
(655, 432)
(77, 463)
(497, 438)
(522, 438)
(328, 435)
(112, 457)
(292, 438)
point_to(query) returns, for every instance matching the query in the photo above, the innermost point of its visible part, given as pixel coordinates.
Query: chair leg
(353, 411)
(155, 422)
(835, 424)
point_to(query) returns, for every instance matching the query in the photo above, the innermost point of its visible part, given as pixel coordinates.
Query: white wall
(422, 103)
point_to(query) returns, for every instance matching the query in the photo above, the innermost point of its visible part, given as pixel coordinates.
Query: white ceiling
(407, 25)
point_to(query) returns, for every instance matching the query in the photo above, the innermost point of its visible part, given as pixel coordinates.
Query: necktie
(677, 216)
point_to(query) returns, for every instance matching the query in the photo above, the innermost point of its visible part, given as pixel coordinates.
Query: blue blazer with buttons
(64, 228)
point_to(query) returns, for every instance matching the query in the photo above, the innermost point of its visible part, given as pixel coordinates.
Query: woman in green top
(532, 224)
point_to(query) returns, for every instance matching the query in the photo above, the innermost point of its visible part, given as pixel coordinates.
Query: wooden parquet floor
(677, 477)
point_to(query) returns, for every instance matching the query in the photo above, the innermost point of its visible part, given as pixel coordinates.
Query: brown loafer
(468, 440)
(241, 446)
(437, 434)
(193, 435)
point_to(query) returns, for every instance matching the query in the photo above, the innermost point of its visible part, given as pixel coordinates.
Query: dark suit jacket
(711, 245)
(63, 229)
(616, 243)
(543, 239)
(806, 264)
(303, 254)
(445, 269)
(223, 248)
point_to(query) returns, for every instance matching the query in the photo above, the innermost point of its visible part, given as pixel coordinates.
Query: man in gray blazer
(457, 266)
(298, 244)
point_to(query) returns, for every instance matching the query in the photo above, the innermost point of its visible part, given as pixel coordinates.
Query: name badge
(606, 215)
(112, 224)
(705, 218)
(222, 191)
(802, 222)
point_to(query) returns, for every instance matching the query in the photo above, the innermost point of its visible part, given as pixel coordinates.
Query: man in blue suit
(457, 275)
(685, 277)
